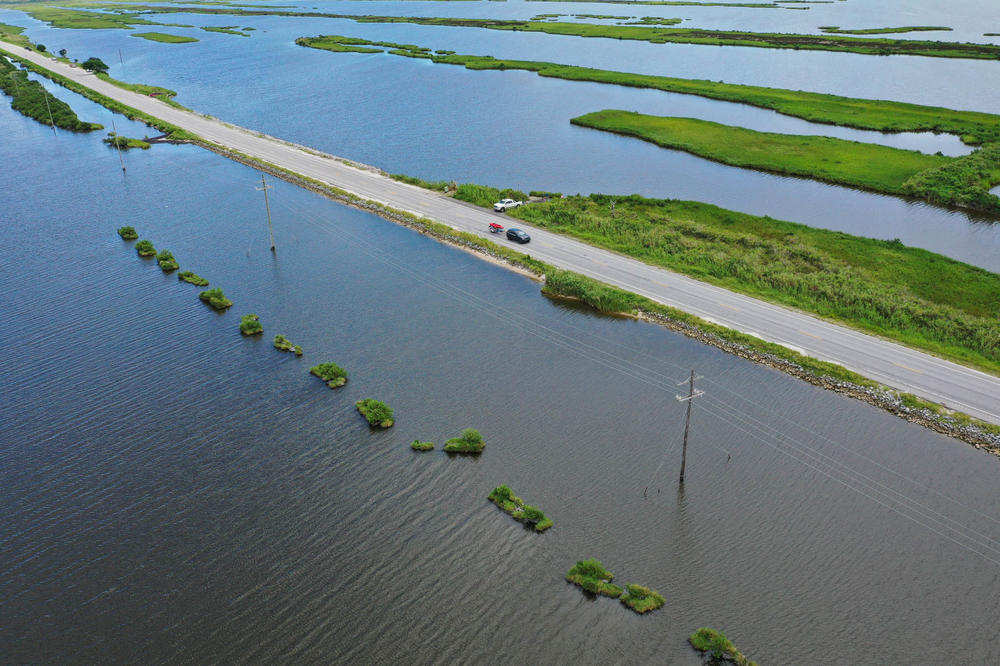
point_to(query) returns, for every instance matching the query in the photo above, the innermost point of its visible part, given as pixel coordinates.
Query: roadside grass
(973, 127)
(164, 37)
(908, 294)
(866, 165)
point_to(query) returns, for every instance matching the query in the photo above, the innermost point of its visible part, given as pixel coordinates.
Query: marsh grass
(470, 441)
(145, 248)
(282, 343)
(917, 297)
(215, 298)
(865, 165)
(515, 507)
(331, 373)
(641, 599)
(188, 276)
(127, 233)
(715, 643)
(250, 325)
(417, 445)
(594, 578)
(377, 413)
(165, 259)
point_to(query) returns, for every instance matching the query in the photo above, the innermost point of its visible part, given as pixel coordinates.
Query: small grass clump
(594, 578)
(718, 646)
(164, 38)
(482, 195)
(641, 599)
(189, 276)
(124, 142)
(331, 373)
(145, 248)
(250, 325)
(282, 343)
(515, 507)
(166, 260)
(470, 441)
(417, 445)
(127, 233)
(215, 298)
(376, 412)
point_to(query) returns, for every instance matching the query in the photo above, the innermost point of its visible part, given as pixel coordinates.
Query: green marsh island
(165, 258)
(715, 644)
(281, 343)
(594, 578)
(215, 298)
(128, 233)
(641, 599)
(250, 325)
(145, 248)
(164, 38)
(470, 441)
(515, 507)
(377, 413)
(192, 278)
(124, 142)
(331, 373)
(417, 445)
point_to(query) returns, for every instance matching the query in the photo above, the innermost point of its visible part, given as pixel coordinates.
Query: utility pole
(118, 145)
(689, 398)
(264, 186)
(45, 93)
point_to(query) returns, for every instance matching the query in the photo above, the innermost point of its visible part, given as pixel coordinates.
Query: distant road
(970, 391)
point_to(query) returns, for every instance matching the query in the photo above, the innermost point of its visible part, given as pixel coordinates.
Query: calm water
(512, 128)
(174, 492)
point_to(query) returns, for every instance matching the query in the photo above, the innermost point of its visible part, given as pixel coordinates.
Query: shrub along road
(955, 386)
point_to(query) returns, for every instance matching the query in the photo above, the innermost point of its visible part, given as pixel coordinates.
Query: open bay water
(512, 128)
(176, 493)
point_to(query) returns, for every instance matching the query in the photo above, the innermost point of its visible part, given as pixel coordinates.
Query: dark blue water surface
(512, 128)
(174, 492)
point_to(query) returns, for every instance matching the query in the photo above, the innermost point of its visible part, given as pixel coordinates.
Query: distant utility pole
(689, 398)
(121, 160)
(264, 186)
(45, 94)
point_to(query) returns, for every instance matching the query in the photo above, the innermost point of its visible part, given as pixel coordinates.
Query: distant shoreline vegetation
(837, 30)
(164, 38)
(973, 127)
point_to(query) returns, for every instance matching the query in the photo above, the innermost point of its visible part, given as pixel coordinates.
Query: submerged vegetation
(641, 599)
(145, 248)
(376, 412)
(973, 127)
(718, 646)
(470, 441)
(250, 325)
(515, 507)
(417, 445)
(215, 298)
(188, 276)
(31, 99)
(127, 233)
(282, 343)
(165, 259)
(331, 373)
(865, 165)
(594, 578)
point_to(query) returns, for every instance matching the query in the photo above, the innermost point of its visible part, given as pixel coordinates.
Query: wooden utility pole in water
(121, 160)
(689, 398)
(264, 186)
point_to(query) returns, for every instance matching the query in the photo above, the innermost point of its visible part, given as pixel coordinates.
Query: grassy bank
(866, 165)
(885, 116)
(164, 38)
(908, 294)
(31, 99)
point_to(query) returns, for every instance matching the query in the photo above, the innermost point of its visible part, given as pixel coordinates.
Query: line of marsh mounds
(517, 509)
(595, 579)
(973, 127)
(958, 181)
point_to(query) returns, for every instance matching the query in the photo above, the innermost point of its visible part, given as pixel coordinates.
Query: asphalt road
(970, 391)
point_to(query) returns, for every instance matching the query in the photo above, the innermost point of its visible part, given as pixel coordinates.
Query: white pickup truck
(505, 204)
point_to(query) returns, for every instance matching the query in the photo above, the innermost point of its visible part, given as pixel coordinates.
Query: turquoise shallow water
(176, 493)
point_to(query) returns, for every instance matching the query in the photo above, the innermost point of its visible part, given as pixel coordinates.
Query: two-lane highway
(958, 387)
